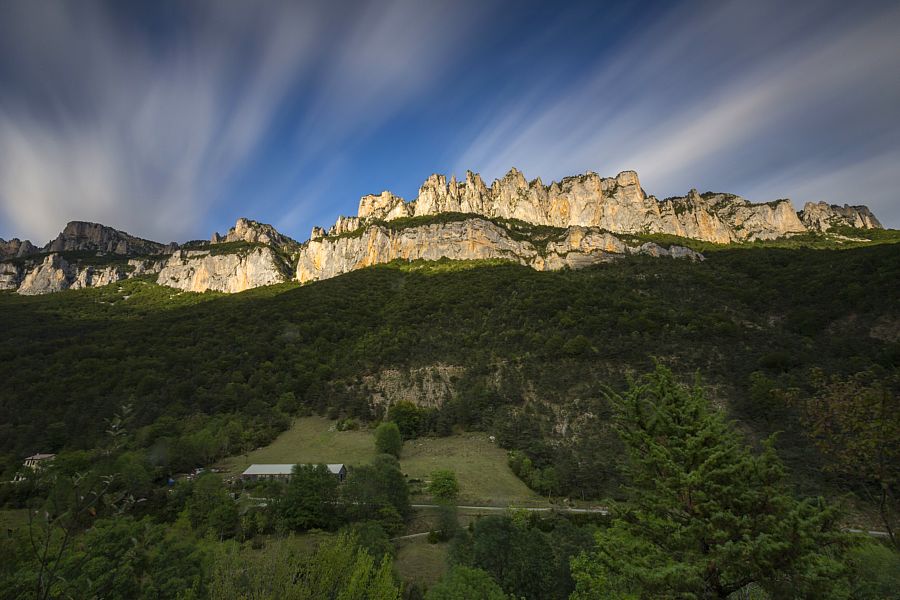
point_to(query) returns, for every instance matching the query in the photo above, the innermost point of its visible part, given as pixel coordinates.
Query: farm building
(35, 462)
(284, 471)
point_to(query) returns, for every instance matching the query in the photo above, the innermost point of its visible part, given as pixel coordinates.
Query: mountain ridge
(580, 220)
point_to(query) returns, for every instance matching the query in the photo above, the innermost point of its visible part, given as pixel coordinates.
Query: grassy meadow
(481, 467)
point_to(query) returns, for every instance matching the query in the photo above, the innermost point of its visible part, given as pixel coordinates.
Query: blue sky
(171, 119)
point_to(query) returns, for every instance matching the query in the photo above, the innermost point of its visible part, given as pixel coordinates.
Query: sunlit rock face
(617, 204)
(200, 270)
(253, 232)
(469, 239)
(55, 274)
(576, 222)
(821, 216)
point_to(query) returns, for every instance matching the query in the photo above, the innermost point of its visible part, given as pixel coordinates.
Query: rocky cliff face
(15, 248)
(469, 239)
(82, 235)
(10, 276)
(576, 222)
(201, 270)
(254, 232)
(55, 274)
(616, 204)
(822, 216)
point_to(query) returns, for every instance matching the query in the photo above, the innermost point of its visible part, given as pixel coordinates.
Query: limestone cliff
(10, 276)
(575, 222)
(82, 235)
(617, 204)
(254, 232)
(15, 248)
(822, 216)
(202, 270)
(55, 274)
(467, 239)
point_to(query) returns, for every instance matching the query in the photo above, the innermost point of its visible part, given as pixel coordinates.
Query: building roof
(39, 456)
(285, 469)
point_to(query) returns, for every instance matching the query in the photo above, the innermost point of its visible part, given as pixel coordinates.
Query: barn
(284, 471)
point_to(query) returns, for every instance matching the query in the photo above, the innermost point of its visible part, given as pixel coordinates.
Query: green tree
(408, 418)
(371, 536)
(855, 423)
(378, 491)
(122, 558)
(443, 485)
(210, 507)
(388, 440)
(707, 518)
(310, 499)
(339, 569)
(466, 583)
(516, 555)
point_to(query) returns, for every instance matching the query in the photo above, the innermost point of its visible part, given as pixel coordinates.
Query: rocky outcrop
(52, 275)
(469, 239)
(202, 270)
(254, 232)
(16, 248)
(10, 276)
(429, 386)
(82, 235)
(822, 216)
(55, 274)
(617, 204)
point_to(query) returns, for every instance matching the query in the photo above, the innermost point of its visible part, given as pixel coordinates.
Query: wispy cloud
(169, 119)
(103, 117)
(722, 96)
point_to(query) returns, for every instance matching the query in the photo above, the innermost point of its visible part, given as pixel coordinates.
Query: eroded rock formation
(616, 204)
(254, 232)
(82, 235)
(202, 270)
(576, 222)
(469, 239)
(15, 248)
(822, 216)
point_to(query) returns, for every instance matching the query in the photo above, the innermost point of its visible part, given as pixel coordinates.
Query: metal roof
(286, 469)
(39, 456)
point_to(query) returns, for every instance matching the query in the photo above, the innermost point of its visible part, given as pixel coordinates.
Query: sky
(170, 120)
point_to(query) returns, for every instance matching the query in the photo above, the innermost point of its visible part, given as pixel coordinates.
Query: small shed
(284, 471)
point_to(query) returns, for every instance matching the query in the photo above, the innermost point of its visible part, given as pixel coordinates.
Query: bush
(388, 440)
(444, 485)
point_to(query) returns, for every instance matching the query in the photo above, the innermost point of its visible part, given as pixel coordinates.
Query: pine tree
(706, 516)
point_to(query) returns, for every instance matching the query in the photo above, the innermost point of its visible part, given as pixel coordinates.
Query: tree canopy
(706, 517)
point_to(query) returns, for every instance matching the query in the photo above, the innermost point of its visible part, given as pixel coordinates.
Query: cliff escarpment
(576, 222)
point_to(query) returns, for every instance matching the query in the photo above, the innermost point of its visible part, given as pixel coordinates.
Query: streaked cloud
(104, 118)
(170, 119)
(731, 96)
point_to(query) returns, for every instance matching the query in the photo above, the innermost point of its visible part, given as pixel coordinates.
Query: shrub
(388, 440)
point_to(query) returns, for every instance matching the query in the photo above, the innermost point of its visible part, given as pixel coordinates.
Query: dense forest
(781, 340)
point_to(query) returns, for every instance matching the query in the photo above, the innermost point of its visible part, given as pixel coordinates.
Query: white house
(34, 462)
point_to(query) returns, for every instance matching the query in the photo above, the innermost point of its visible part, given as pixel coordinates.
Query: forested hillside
(209, 375)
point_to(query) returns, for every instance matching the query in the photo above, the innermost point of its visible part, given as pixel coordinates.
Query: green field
(481, 467)
(309, 440)
(484, 476)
